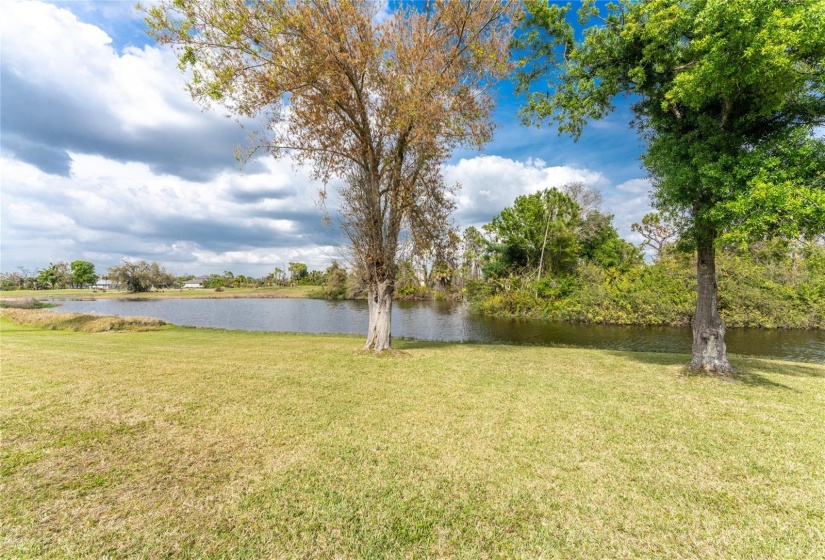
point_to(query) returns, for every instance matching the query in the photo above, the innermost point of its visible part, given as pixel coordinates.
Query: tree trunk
(380, 308)
(709, 351)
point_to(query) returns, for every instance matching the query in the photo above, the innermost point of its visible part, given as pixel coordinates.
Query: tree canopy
(524, 229)
(83, 273)
(726, 95)
(378, 103)
(140, 276)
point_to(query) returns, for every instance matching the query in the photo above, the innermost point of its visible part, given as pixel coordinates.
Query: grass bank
(82, 322)
(194, 442)
(203, 293)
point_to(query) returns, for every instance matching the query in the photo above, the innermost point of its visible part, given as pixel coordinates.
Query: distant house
(102, 284)
(197, 282)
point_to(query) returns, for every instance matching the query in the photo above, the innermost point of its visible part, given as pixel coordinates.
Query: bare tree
(379, 103)
(589, 200)
(656, 232)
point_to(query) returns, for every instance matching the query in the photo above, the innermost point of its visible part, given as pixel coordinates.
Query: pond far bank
(263, 444)
(195, 293)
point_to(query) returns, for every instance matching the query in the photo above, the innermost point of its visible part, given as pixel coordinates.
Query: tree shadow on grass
(749, 370)
(793, 369)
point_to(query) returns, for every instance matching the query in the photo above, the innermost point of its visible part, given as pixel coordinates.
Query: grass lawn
(180, 442)
(289, 291)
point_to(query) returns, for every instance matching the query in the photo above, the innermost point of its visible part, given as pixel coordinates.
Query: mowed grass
(186, 442)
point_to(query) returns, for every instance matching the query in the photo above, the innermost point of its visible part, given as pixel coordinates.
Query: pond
(443, 321)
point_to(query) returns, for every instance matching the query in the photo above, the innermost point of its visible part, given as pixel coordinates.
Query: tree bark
(709, 351)
(380, 311)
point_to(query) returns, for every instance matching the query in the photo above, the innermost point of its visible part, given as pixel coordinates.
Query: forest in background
(553, 254)
(556, 255)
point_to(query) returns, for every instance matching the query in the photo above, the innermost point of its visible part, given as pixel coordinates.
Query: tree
(599, 243)
(297, 271)
(11, 281)
(473, 245)
(657, 233)
(83, 273)
(378, 103)
(719, 85)
(538, 231)
(336, 287)
(55, 275)
(140, 276)
(278, 277)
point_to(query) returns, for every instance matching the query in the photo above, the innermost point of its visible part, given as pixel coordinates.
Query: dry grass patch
(81, 322)
(207, 443)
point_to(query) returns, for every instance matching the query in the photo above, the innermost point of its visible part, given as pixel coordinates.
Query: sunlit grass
(201, 442)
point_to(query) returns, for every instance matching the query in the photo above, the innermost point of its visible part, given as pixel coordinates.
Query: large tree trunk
(380, 307)
(709, 351)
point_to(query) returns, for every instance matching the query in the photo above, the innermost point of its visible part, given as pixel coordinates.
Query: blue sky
(104, 157)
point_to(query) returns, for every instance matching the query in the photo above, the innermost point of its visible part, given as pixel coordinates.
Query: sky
(105, 157)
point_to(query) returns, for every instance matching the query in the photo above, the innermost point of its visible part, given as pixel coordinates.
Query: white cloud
(70, 90)
(112, 210)
(629, 202)
(105, 156)
(491, 183)
(141, 87)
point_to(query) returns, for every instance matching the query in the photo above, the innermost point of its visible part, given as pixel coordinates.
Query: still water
(442, 321)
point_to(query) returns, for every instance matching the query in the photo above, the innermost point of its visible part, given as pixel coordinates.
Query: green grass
(205, 443)
(288, 292)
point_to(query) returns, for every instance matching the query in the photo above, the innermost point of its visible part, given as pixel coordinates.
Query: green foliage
(297, 271)
(83, 273)
(728, 92)
(538, 231)
(408, 285)
(600, 243)
(55, 275)
(768, 285)
(141, 276)
(336, 287)
(216, 281)
(332, 283)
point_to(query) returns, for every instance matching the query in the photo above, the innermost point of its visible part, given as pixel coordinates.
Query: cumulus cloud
(70, 91)
(105, 156)
(108, 210)
(490, 183)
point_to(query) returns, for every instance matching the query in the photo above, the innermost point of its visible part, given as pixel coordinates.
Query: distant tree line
(554, 254)
(143, 276)
(78, 274)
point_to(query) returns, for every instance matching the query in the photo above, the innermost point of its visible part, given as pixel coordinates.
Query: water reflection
(443, 321)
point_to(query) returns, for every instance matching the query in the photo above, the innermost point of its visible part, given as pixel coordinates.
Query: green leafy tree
(55, 275)
(599, 242)
(141, 276)
(83, 273)
(538, 231)
(727, 93)
(215, 281)
(297, 271)
(336, 287)
(472, 255)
